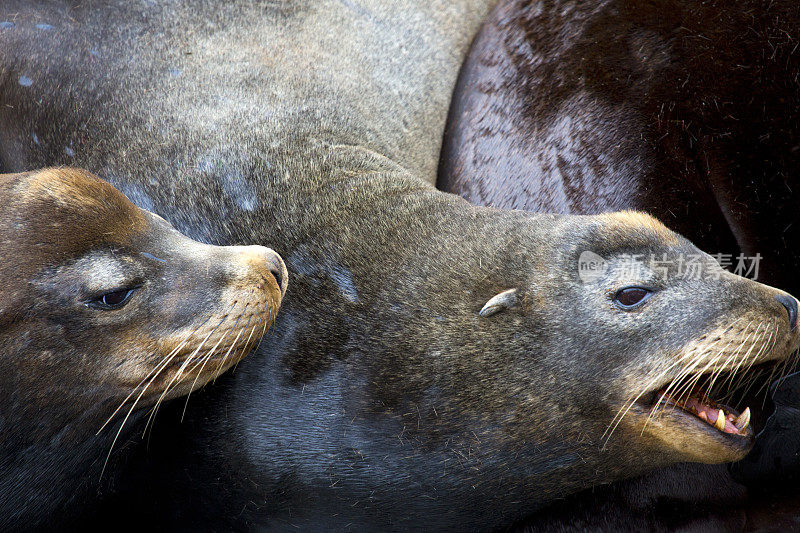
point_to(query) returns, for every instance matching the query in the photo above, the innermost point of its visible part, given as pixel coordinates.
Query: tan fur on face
(738, 346)
(636, 220)
(74, 188)
(52, 214)
(733, 348)
(67, 240)
(226, 337)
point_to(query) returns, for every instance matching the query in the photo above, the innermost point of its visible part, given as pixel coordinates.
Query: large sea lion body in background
(686, 110)
(105, 310)
(435, 364)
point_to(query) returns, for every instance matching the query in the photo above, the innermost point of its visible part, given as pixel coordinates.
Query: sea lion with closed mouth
(436, 365)
(105, 311)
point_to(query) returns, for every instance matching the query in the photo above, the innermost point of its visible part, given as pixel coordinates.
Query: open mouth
(721, 417)
(699, 400)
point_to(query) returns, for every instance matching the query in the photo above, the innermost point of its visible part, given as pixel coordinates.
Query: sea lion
(105, 310)
(435, 364)
(688, 111)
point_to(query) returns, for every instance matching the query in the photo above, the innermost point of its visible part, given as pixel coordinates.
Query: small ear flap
(504, 300)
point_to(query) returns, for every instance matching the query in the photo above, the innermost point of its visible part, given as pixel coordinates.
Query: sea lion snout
(260, 258)
(689, 340)
(773, 306)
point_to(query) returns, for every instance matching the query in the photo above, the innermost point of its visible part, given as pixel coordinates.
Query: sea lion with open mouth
(521, 383)
(436, 365)
(105, 311)
(686, 110)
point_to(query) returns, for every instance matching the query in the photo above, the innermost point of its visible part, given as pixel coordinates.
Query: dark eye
(630, 297)
(112, 299)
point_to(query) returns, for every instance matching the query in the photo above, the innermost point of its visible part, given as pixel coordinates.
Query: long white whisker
(696, 359)
(155, 370)
(206, 359)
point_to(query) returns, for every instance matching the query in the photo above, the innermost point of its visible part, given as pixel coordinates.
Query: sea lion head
(633, 338)
(105, 307)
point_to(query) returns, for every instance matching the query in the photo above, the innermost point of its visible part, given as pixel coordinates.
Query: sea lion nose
(277, 268)
(253, 259)
(790, 303)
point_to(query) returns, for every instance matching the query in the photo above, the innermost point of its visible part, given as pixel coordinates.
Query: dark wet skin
(687, 111)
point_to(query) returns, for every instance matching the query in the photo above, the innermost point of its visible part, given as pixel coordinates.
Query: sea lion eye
(630, 297)
(112, 299)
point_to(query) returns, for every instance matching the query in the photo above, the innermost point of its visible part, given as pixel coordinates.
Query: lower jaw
(696, 413)
(688, 438)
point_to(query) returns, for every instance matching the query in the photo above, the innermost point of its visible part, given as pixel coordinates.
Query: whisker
(689, 383)
(681, 385)
(786, 367)
(746, 357)
(179, 373)
(207, 358)
(267, 322)
(686, 387)
(243, 348)
(735, 380)
(165, 362)
(218, 371)
(630, 403)
(748, 377)
(772, 372)
(695, 361)
(181, 342)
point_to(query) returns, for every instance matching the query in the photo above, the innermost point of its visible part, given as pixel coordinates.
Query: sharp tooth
(744, 419)
(720, 423)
